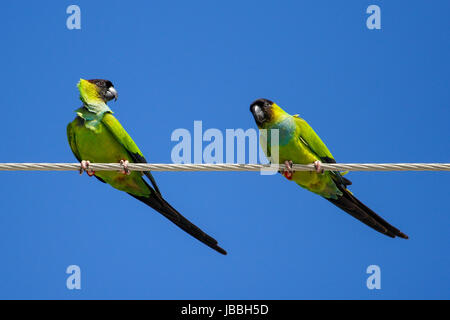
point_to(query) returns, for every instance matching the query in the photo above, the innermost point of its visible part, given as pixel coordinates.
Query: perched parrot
(96, 135)
(299, 144)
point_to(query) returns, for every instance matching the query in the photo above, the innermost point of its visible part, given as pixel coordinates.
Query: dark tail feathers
(360, 211)
(162, 206)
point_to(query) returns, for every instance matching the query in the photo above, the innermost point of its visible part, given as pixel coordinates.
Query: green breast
(290, 146)
(100, 145)
(292, 149)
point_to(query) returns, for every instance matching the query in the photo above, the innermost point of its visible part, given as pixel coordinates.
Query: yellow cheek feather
(88, 92)
(278, 113)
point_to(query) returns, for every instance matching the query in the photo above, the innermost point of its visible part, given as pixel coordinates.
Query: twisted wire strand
(225, 167)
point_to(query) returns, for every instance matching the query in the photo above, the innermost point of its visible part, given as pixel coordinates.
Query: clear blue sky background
(373, 96)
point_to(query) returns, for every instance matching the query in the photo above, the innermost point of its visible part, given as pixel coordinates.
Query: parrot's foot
(318, 166)
(84, 167)
(288, 172)
(125, 170)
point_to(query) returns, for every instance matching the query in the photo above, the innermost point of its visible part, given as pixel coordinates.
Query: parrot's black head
(105, 89)
(262, 111)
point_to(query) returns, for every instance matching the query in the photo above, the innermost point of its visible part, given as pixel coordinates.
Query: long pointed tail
(163, 207)
(350, 204)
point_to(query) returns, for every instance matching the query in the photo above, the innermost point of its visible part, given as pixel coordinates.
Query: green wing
(71, 136)
(313, 142)
(310, 138)
(125, 140)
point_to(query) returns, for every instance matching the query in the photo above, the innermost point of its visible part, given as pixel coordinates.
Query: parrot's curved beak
(112, 93)
(258, 114)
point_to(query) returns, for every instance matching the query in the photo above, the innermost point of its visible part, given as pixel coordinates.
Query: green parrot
(298, 143)
(96, 135)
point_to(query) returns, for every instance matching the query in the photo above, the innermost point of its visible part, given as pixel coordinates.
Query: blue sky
(372, 95)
